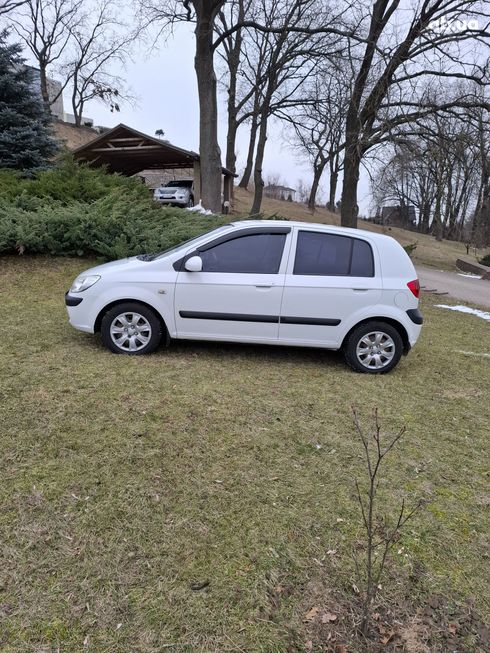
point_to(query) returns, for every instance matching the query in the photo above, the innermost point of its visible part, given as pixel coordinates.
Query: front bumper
(172, 200)
(71, 300)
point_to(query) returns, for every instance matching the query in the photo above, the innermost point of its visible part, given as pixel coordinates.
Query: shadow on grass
(217, 350)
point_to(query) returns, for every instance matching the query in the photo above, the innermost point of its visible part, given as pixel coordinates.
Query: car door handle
(360, 289)
(264, 285)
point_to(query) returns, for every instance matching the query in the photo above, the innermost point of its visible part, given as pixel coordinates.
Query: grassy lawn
(129, 483)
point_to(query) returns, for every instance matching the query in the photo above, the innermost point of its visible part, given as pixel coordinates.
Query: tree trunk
(317, 175)
(259, 160)
(437, 222)
(209, 150)
(352, 161)
(247, 173)
(349, 209)
(231, 140)
(334, 178)
(43, 80)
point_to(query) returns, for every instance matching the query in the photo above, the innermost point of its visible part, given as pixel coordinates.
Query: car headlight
(82, 283)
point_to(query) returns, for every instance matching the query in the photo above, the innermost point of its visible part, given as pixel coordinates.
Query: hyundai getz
(267, 282)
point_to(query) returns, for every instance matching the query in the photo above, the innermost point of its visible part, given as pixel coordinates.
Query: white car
(267, 282)
(178, 192)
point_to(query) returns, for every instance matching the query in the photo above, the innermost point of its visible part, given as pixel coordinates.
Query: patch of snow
(470, 275)
(472, 353)
(199, 208)
(485, 315)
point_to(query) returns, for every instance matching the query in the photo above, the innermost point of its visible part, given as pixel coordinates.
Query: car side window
(323, 254)
(256, 253)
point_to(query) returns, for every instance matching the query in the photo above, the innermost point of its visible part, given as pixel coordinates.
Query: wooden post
(197, 182)
(227, 192)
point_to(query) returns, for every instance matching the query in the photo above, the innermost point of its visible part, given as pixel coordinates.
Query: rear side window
(254, 254)
(331, 255)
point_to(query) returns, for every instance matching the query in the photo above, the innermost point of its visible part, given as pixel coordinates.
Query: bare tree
(317, 127)
(99, 41)
(231, 54)
(385, 91)
(436, 166)
(292, 55)
(380, 537)
(45, 27)
(6, 6)
(203, 13)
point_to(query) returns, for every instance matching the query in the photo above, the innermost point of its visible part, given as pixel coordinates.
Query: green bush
(485, 260)
(73, 210)
(67, 182)
(410, 249)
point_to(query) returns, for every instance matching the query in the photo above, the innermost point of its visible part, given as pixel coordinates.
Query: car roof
(315, 225)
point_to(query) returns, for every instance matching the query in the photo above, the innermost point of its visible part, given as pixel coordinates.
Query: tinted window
(330, 255)
(257, 253)
(362, 259)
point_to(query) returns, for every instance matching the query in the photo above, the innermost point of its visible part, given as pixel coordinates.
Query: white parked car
(267, 282)
(178, 192)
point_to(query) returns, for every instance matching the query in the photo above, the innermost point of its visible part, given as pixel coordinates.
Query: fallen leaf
(452, 628)
(309, 645)
(195, 587)
(388, 637)
(376, 616)
(331, 552)
(328, 617)
(340, 648)
(312, 614)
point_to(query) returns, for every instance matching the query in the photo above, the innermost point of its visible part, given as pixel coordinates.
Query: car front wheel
(131, 328)
(373, 348)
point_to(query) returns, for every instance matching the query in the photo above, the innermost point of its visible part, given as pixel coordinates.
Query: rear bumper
(415, 315)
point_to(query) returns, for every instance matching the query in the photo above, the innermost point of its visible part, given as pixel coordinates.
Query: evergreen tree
(25, 139)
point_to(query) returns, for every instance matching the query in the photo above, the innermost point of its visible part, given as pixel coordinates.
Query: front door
(237, 295)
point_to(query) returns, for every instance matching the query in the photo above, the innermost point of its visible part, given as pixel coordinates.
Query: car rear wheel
(373, 348)
(190, 203)
(131, 328)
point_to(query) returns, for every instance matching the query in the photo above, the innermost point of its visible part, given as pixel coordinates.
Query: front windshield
(186, 243)
(179, 183)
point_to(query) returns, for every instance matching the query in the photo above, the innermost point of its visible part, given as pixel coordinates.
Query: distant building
(397, 216)
(54, 91)
(276, 192)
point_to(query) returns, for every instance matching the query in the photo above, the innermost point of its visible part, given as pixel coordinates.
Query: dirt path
(468, 289)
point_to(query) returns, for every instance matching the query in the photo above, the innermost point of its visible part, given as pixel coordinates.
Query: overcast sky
(164, 82)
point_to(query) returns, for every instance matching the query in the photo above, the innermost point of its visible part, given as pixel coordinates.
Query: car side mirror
(193, 264)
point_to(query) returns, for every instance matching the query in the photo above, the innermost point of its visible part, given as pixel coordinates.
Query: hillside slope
(429, 251)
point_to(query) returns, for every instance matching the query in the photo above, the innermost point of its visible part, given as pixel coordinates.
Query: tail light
(414, 287)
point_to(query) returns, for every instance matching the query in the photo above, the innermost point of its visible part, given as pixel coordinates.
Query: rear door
(329, 277)
(237, 295)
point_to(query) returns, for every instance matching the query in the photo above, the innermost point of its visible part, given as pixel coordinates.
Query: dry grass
(126, 481)
(441, 255)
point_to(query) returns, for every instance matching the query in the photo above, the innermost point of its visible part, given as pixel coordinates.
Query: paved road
(469, 289)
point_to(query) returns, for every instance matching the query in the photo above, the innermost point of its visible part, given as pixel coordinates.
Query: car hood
(114, 266)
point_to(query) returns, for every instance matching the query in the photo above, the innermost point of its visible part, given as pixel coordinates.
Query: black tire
(371, 358)
(146, 339)
(190, 203)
